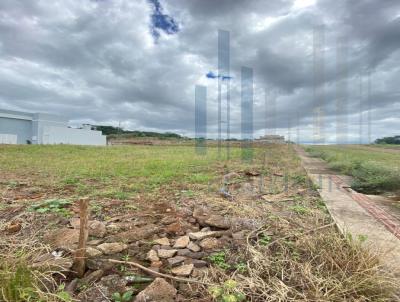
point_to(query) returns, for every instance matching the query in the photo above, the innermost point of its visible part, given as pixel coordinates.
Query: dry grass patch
(24, 278)
(319, 266)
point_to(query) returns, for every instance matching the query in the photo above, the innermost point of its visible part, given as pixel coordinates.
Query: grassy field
(375, 169)
(290, 251)
(115, 172)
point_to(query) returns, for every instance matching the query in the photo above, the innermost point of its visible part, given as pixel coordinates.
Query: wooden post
(80, 254)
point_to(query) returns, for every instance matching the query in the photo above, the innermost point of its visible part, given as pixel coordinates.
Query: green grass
(373, 169)
(114, 172)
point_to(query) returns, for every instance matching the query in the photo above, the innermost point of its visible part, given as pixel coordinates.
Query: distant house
(17, 127)
(271, 139)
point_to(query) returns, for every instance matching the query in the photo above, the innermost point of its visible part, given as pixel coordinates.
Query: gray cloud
(97, 61)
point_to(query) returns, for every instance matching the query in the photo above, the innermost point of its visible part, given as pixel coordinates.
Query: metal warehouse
(18, 127)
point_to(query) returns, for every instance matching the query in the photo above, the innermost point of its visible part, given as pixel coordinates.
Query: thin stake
(79, 259)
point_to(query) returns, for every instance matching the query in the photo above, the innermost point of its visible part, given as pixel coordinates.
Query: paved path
(355, 213)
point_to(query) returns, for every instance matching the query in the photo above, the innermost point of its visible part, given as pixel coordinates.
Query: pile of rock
(183, 254)
(181, 242)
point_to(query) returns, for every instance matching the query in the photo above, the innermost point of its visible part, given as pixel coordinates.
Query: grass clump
(58, 206)
(219, 259)
(374, 170)
(324, 266)
(20, 281)
(227, 292)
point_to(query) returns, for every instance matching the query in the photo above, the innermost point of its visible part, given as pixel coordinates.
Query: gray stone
(113, 228)
(166, 253)
(193, 247)
(201, 214)
(201, 235)
(183, 252)
(92, 252)
(112, 248)
(158, 291)
(210, 243)
(175, 261)
(189, 254)
(96, 228)
(183, 270)
(152, 256)
(182, 242)
(199, 263)
(218, 221)
(162, 241)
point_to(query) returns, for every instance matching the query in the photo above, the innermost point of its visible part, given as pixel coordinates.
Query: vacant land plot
(375, 170)
(245, 230)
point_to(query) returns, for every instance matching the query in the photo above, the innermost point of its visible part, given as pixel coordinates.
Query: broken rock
(152, 256)
(166, 253)
(158, 291)
(199, 263)
(210, 243)
(201, 235)
(201, 214)
(92, 252)
(162, 241)
(183, 270)
(193, 255)
(112, 248)
(182, 242)
(175, 261)
(193, 247)
(218, 221)
(96, 228)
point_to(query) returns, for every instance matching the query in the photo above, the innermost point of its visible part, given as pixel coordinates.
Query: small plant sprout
(58, 206)
(125, 297)
(227, 292)
(264, 239)
(219, 260)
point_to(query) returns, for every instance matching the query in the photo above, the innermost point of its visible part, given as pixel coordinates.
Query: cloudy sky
(137, 63)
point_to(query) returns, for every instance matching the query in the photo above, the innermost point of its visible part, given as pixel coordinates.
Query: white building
(18, 127)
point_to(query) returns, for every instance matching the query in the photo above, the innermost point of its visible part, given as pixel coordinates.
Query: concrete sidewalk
(354, 213)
